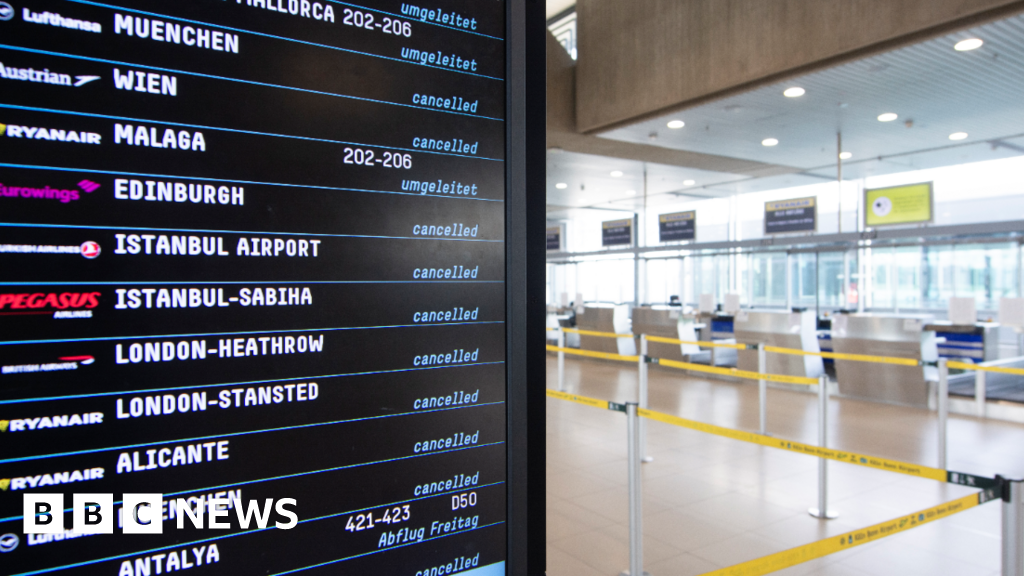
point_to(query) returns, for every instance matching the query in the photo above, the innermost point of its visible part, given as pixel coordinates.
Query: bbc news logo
(142, 514)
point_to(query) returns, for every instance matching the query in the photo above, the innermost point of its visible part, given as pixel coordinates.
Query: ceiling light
(616, 173)
(794, 92)
(769, 142)
(887, 117)
(631, 192)
(969, 44)
(845, 155)
(561, 185)
(689, 182)
(676, 124)
(958, 136)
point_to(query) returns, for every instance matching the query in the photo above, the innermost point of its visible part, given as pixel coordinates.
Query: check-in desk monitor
(254, 251)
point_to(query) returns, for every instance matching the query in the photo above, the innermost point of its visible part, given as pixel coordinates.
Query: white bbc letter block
(43, 513)
(92, 513)
(143, 514)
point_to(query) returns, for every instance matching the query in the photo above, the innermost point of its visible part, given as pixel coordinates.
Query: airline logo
(6, 11)
(44, 76)
(89, 249)
(48, 193)
(64, 305)
(52, 134)
(59, 21)
(64, 363)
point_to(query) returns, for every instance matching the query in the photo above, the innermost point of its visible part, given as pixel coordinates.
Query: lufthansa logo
(8, 542)
(6, 13)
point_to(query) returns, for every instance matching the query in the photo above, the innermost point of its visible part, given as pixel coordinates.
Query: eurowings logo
(47, 193)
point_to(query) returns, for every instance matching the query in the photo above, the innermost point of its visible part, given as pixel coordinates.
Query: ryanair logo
(4, 484)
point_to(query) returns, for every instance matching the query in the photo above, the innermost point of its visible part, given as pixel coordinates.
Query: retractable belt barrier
(736, 372)
(795, 352)
(917, 470)
(598, 334)
(1000, 369)
(592, 354)
(833, 544)
(702, 343)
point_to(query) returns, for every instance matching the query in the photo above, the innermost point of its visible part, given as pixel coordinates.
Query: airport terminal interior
(756, 209)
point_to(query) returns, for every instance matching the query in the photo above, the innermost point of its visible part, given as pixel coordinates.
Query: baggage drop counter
(796, 330)
(668, 322)
(607, 318)
(886, 335)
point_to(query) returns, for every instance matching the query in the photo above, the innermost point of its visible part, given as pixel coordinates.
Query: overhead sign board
(246, 258)
(554, 238)
(910, 204)
(617, 232)
(796, 215)
(677, 226)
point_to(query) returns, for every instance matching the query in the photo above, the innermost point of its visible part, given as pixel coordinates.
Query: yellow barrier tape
(853, 357)
(592, 354)
(803, 380)
(586, 401)
(834, 544)
(1000, 369)
(598, 334)
(703, 343)
(829, 453)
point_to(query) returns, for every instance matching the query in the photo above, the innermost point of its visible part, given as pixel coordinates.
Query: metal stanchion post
(642, 398)
(762, 387)
(979, 393)
(1013, 528)
(943, 409)
(561, 360)
(822, 510)
(636, 542)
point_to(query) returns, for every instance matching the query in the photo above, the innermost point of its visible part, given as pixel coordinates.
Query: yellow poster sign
(898, 205)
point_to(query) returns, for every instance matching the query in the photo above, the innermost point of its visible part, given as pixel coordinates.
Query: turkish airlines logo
(60, 305)
(88, 249)
(47, 193)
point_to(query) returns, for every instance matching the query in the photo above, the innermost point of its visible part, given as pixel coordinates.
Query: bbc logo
(92, 513)
(143, 513)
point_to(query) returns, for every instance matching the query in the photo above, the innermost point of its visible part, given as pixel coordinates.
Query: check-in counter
(796, 330)
(979, 342)
(885, 335)
(717, 327)
(667, 322)
(606, 318)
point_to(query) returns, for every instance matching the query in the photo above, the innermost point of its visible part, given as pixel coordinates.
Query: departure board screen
(253, 273)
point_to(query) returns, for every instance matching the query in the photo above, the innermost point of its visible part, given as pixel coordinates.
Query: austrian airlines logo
(44, 76)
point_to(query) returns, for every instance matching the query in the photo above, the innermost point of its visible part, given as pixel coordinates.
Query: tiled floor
(711, 502)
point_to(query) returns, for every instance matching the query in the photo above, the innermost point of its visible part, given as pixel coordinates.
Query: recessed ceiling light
(676, 124)
(616, 173)
(769, 142)
(845, 155)
(968, 45)
(794, 92)
(958, 136)
(561, 185)
(631, 192)
(887, 117)
(689, 182)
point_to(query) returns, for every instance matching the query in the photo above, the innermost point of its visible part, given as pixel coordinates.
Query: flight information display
(253, 259)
